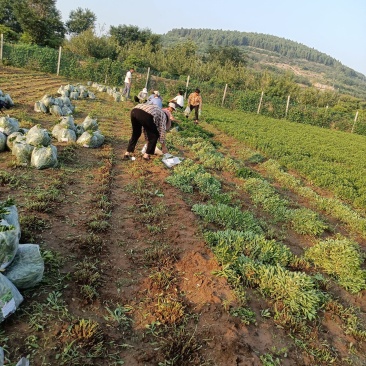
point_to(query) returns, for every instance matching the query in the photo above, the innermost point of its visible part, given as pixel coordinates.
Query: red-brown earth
(117, 236)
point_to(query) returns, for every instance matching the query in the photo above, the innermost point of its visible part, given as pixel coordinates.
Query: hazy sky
(334, 27)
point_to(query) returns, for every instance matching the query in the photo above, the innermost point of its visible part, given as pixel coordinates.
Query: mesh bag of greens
(47, 100)
(44, 157)
(10, 298)
(9, 243)
(14, 137)
(2, 142)
(74, 95)
(26, 269)
(90, 124)
(8, 99)
(85, 139)
(38, 136)
(40, 107)
(9, 213)
(68, 122)
(67, 135)
(57, 130)
(66, 111)
(37, 107)
(22, 152)
(91, 139)
(56, 110)
(8, 125)
(79, 130)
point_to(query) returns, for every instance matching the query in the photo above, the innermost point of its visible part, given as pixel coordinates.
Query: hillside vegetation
(263, 51)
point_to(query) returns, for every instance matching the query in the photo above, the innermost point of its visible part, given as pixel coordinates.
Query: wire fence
(112, 73)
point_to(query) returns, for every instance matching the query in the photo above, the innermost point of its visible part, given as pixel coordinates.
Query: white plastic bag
(156, 152)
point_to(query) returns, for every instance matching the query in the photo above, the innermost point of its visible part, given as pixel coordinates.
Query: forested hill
(266, 51)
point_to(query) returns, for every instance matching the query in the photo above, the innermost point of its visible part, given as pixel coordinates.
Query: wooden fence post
(147, 77)
(223, 98)
(1, 47)
(106, 75)
(288, 103)
(260, 103)
(59, 60)
(187, 83)
(354, 123)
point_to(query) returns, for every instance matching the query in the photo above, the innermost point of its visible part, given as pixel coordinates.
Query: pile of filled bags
(62, 106)
(30, 147)
(59, 106)
(86, 134)
(21, 265)
(75, 92)
(114, 92)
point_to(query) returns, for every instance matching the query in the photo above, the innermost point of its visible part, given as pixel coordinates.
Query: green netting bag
(8, 125)
(22, 152)
(91, 139)
(26, 269)
(2, 142)
(68, 122)
(38, 136)
(14, 137)
(9, 243)
(44, 157)
(10, 298)
(12, 217)
(90, 124)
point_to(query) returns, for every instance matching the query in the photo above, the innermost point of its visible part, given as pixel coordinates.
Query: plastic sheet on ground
(170, 160)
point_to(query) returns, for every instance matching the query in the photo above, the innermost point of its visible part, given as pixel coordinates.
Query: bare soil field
(129, 278)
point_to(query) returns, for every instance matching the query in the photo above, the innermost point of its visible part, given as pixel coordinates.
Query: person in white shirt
(128, 82)
(178, 100)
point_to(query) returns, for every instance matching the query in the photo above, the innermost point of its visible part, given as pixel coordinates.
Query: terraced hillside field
(226, 259)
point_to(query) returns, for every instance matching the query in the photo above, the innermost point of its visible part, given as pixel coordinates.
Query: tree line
(38, 22)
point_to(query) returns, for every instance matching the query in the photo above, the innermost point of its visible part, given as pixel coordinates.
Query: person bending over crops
(154, 122)
(141, 97)
(194, 102)
(155, 99)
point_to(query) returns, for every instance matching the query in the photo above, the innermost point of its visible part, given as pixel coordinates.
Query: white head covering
(172, 105)
(144, 90)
